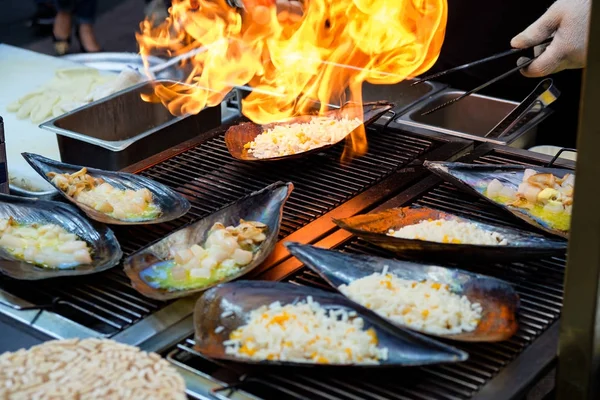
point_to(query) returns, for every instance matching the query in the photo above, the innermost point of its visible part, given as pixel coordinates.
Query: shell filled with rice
(444, 302)
(276, 323)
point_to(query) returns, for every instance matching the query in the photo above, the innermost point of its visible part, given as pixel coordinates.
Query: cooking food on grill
(219, 248)
(540, 196)
(301, 135)
(449, 231)
(305, 332)
(426, 233)
(44, 239)
(116, 198)
(443, 302)
(543, 195)
(120, 204)
(88, 369)
(45, 245)
(425, 305)
(286, 140)
(224, 253)
(276, 323)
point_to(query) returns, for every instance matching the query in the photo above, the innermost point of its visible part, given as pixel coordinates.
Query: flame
(294, 64)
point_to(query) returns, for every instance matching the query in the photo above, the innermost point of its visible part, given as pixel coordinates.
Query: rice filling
(427, 306)
(449, 231)
(288, 139)
(305, 332)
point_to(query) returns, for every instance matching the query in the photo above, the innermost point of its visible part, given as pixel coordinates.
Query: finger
(539, 31)
(547, 63)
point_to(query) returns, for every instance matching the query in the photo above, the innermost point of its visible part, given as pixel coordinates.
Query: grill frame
(512, 381)
(54, 325)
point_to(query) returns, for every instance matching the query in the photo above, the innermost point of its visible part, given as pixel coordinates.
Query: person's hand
(566, 21)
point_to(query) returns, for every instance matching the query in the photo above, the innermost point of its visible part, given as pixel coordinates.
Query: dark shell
(374, 227)
(172, 204)
(475, 178)
(264, 206)
(406, 348)
(238, 135)
(106, 250)
(497, 298)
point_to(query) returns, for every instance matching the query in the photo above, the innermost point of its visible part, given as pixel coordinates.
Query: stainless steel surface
(46, 195)
(472, 118)
(4, 186)
(579, 343)
(117, 121)
(58, 327)
(116, 62)
(122, 129)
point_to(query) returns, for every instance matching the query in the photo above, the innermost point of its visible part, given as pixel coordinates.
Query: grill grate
(539, 284)
(211, 178)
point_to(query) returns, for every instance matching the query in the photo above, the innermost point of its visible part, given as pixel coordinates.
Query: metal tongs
(544, 94)
(479, 62)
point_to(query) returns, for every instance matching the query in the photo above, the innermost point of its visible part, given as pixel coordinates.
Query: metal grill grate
(539, 284)
(211, 178)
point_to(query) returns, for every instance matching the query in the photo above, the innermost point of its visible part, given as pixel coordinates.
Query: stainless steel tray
(471, 118)
(116, 131)
(116, 62)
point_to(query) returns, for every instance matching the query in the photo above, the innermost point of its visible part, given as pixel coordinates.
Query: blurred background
(28, 24)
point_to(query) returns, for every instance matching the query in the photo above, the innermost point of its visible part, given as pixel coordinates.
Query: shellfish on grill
(498, 300)
(151, 269)
(104, 249)
(225, 308)
(167, 203)
(375, 228)
(477, 178)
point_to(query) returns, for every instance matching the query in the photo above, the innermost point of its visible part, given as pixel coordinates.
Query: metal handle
(479, 62)
(551, 163)
(544, 94)
(16, 303)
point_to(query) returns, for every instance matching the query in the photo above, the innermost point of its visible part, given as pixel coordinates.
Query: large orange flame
(323, 57)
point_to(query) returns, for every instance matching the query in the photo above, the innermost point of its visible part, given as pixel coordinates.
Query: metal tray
(116, 62)
(472, 118)
(122, 129)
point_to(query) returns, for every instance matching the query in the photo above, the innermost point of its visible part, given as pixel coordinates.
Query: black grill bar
(539, 284)
(210, 178)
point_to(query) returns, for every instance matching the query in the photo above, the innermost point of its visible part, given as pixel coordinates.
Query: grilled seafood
(225, 251)
(103, 197)
(544, 194)
(45, 245)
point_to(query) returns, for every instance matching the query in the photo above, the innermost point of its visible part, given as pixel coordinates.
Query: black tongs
(479, 62)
